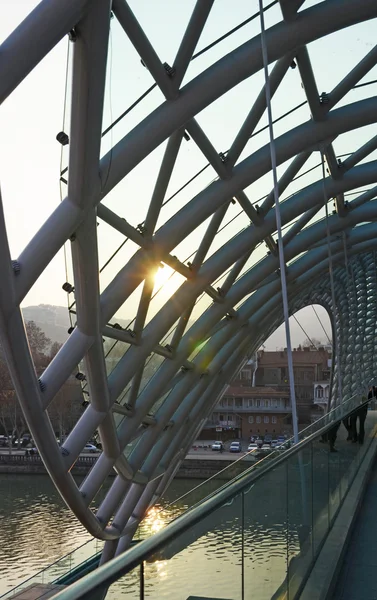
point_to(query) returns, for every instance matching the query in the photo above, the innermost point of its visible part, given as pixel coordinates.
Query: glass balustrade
(257, 536)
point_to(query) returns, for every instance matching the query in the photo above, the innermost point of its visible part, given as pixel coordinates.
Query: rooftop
(255, 392)
(300, 357)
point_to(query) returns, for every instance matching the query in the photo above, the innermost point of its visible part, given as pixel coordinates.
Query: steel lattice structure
(146, 431)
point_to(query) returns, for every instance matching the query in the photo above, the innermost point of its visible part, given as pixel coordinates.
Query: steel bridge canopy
(167, 216)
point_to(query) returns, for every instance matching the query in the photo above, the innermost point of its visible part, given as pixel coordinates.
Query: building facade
(310, 366)
(258, 401)
(253, 411)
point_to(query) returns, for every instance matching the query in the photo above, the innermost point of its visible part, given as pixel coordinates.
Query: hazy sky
(33, 115)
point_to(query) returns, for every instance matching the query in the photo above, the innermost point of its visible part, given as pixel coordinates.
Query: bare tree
(38, 341)
(11, 417)
(312, 343)
(55, 347)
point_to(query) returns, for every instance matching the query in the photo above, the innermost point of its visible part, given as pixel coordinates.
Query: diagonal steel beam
(190, 39)
(29, 43)
(317, 109)
(223, 172)
(289, 8)
(366, 197)
(206, 147)
(287, 177)
(353, 77)
(360, 154)
(143, 46)
(197, 262)
(164, 175)
(276, 76)
(235, 271)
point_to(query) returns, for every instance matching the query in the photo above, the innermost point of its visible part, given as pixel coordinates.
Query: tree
(11, 417)
(55, 349)
(38, 341)
(316, 343)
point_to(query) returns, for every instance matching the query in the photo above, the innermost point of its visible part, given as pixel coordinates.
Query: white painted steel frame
(189, 382)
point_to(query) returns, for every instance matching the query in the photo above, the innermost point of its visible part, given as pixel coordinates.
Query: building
(253, 410)
(310, 367)
(258, 399)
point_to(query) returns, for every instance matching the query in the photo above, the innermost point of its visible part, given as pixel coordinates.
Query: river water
(36, 529)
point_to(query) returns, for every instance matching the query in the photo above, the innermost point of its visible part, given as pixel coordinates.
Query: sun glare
(165, 279)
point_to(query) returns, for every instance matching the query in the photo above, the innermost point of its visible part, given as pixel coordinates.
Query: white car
(266, 448)
(252, 447)
(90, 448)
(217, 446)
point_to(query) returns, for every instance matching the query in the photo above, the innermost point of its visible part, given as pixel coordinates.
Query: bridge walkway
(358, 577)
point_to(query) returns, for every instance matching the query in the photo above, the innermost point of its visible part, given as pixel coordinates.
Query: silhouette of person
(361, 414)
(331, 436)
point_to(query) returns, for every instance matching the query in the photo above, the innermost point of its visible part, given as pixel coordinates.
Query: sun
(166, 281)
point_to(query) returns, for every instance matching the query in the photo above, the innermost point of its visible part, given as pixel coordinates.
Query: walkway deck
(358, 577)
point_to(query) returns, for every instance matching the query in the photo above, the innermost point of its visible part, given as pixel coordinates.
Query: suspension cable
(331, 273)
(60, 169)
(321, 324)
(303, 330)
(278, 225)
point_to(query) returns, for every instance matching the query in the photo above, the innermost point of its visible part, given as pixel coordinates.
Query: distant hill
(54, 320)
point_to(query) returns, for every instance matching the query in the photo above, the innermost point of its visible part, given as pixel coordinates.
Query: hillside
(54, 320)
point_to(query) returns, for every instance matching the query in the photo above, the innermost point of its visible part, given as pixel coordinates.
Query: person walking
(360, 414)
(332, 435)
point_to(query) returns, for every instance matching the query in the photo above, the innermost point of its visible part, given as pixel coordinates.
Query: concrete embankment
(191, 468)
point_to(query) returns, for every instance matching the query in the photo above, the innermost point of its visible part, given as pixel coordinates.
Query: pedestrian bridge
(240, 261)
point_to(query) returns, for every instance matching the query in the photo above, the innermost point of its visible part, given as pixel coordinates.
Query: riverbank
(193, 467)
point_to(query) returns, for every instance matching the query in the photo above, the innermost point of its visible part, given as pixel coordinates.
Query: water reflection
(37, 528)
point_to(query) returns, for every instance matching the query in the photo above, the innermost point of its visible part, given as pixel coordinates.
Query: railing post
(142, 580)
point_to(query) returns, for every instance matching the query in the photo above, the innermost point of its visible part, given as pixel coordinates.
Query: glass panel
(349, 460)
(334, 472)
(320, 482)
(300, 542)
(206, 560)
(62, 567)
(127, 586)
(265, 536)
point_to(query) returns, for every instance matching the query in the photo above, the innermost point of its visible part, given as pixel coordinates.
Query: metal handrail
(127, 561)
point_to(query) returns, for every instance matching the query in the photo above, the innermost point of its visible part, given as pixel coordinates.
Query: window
(257, 403)
(266, 419)
(238, 402)
(273, 420)
(259, 420)
(251, 420)
(221, 418)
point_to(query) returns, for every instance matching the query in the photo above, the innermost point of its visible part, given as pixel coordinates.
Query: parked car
(268, 438)
(235, 447)
(252, 439)
(90, 448)
(274, 443)
(266, 448)
(252, 447)
(217, 446)
(281, 439)
(31, 451)
(259, 441)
